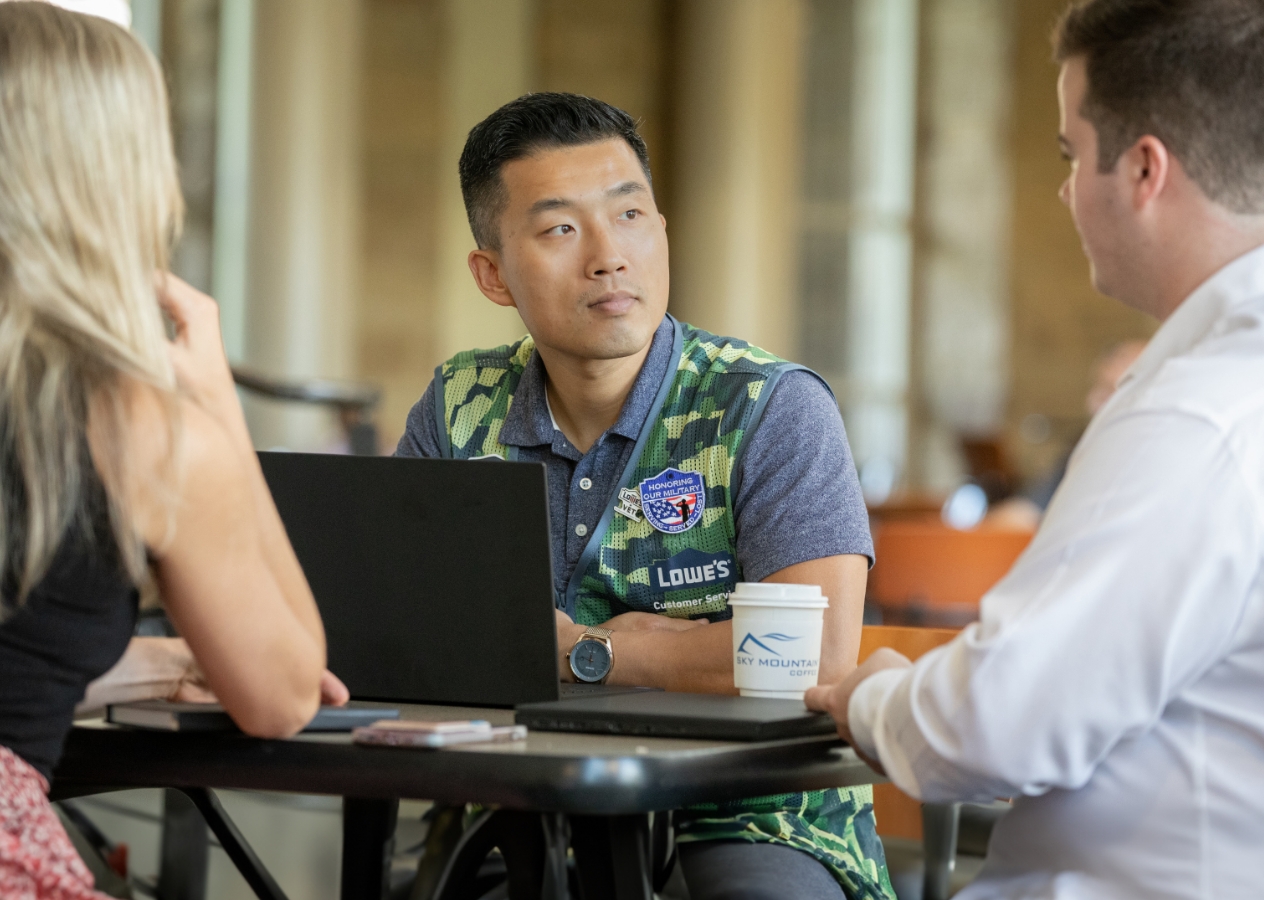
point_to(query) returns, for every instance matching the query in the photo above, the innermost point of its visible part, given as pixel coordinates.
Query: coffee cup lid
(763, 593)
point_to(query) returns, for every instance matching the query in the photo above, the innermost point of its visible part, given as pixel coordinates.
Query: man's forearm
(676, 655)
(698, 661)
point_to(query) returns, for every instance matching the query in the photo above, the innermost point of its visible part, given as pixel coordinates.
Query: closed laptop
(662, 714)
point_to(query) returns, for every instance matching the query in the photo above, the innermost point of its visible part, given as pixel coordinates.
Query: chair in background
(928, 574)
(355, 402)
(943, 829)
(906, 506)
(988, 462)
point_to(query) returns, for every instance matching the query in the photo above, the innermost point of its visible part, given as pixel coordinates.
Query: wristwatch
(592, 656)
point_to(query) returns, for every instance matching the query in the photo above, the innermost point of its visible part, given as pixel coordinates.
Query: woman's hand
(197, 352)
(332, 691)
(152, 668)
(192, 688)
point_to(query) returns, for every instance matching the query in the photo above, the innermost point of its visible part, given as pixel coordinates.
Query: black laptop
(433, 577)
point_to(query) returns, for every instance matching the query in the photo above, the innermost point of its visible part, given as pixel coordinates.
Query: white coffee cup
(776, 638)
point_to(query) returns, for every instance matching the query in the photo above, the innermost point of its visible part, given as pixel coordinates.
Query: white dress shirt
(1114, 685)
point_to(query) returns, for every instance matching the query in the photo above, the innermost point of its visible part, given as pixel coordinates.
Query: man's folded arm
(799, 519)
(700, 660)
(1124, 598)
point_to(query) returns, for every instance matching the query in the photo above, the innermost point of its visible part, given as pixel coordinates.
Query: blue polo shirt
(796, 496)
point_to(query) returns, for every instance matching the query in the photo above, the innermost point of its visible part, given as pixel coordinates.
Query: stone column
(190, 52)
(961, 340)
(231, 236)
(880, 245)
(737, 174)
(488, 61)
(302, 277)
(856, 229)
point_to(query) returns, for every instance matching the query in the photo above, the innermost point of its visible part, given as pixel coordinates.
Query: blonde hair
(89, 207)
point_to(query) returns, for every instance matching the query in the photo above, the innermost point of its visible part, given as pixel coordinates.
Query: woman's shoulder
(152, 450)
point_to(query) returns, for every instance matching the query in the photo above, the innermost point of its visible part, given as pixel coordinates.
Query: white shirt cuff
(865, 706)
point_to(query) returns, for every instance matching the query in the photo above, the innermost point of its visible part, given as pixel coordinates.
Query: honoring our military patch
(672, 501)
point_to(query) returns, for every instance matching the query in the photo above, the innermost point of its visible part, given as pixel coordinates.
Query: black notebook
(163, 715)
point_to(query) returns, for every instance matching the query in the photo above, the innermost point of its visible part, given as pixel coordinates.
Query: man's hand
(835, 699)
(639, 621)
(568, 632)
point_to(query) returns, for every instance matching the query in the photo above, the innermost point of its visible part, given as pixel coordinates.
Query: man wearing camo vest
(679, 463)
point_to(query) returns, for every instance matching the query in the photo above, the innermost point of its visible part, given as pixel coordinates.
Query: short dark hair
(523, 126)
(1189, 72)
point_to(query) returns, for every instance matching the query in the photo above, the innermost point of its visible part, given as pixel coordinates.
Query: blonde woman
(121, 452)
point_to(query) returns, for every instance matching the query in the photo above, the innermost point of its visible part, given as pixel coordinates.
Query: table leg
(630, 857)
(234, 843)
(612, 854)
(556, 842)
(939, 829)
(368, 842)
(185, 850)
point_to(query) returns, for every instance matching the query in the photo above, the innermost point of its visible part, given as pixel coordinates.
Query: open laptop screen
(433, 577)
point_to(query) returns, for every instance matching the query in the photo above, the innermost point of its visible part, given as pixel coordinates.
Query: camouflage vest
(696, 427)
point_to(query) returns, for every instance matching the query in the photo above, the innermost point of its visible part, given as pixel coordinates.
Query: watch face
(590, 660)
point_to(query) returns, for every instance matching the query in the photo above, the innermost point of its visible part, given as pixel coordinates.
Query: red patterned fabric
(37, 860)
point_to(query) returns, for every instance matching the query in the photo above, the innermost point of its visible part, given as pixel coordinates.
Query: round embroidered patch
(672, 501)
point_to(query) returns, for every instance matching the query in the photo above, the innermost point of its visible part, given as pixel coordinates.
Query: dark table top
(549, 771)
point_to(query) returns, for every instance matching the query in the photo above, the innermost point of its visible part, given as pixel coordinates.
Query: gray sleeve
(421, 432)
(798, 497)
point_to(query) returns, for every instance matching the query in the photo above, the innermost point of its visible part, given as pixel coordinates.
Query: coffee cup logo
(751, 639)
(795, 665)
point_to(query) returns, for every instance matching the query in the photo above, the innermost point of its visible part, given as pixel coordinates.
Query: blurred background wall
(866, 186)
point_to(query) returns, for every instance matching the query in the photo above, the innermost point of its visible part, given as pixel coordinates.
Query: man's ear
(1148, 164)
(485, 267)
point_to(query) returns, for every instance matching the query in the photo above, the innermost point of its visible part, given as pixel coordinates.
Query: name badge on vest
(672, 501)
(629, 504)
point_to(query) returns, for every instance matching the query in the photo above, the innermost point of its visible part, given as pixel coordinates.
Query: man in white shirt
(1114, 684)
